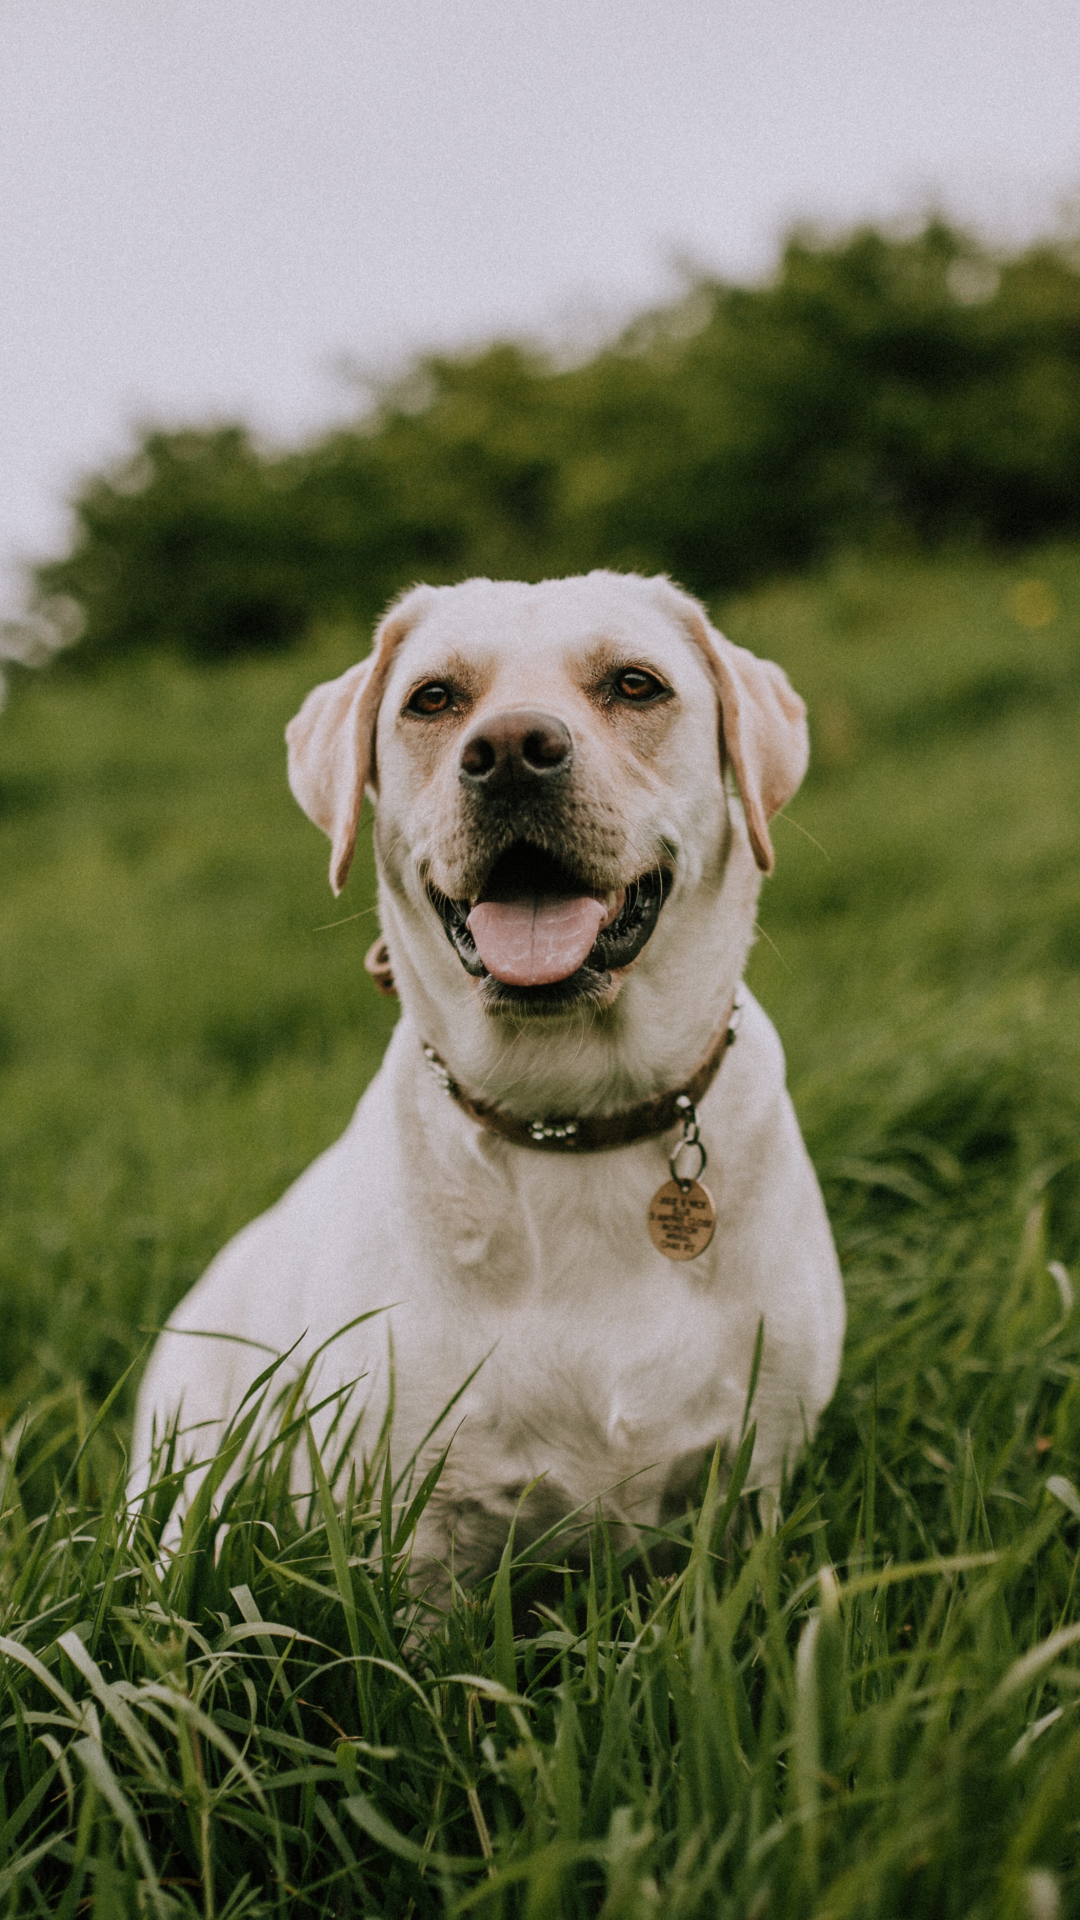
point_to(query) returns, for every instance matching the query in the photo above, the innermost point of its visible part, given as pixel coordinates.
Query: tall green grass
(872, 1713)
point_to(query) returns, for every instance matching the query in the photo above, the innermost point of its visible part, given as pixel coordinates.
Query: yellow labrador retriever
(565, 1181)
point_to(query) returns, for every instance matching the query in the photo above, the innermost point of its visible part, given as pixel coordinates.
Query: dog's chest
(600, 1352)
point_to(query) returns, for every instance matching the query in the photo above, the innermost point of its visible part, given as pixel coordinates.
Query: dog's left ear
(762, 722)
(332, 739)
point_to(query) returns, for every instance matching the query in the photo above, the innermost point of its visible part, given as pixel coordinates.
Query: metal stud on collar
(440, 1073)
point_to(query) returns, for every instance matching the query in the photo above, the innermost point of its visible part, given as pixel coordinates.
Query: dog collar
(597, 1133)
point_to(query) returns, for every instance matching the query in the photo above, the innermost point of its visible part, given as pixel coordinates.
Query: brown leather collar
(597, 1133)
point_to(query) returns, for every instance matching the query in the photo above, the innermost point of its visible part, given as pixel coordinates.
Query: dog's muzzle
(539, 930)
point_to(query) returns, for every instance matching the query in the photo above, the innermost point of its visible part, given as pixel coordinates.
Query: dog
(573, 1197)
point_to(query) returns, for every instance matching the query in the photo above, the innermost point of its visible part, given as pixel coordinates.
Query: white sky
(207, 206)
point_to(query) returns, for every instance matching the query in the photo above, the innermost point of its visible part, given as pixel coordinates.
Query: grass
(871, 1714)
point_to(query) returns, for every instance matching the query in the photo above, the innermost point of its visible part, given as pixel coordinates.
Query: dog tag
(681, 1219)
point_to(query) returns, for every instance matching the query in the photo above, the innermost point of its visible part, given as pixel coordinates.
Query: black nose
(513, 748)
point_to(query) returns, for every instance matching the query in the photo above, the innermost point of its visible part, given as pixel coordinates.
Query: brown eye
(435, 697)
(637, 686)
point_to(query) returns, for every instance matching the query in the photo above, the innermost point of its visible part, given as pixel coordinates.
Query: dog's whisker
(790, 821)
(329, 925)
(759, 929)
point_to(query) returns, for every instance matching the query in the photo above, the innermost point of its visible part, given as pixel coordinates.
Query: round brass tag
(681, 1219)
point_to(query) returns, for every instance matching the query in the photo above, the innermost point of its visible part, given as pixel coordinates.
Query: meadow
(872, 1713)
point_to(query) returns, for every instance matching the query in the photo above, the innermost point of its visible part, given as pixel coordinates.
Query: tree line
(876, 388)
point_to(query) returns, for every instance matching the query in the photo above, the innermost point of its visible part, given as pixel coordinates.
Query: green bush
(875, 389)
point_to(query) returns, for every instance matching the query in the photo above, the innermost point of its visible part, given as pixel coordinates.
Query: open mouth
(536, 928)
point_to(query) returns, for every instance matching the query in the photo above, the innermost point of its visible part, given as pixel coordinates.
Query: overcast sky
(208, 207)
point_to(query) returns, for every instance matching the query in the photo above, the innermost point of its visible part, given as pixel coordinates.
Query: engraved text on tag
(681, 1219)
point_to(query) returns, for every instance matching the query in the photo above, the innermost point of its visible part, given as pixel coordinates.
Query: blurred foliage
(877, 390)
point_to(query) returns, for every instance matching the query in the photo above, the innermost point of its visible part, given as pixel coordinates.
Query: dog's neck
(589, 1060)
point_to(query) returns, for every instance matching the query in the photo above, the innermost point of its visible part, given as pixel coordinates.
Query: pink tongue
(535, 940)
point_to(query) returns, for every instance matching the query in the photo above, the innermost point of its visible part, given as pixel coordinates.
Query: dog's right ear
(332, 739)
(762, 719)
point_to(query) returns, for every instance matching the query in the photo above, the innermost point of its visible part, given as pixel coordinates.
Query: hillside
(185, 1021)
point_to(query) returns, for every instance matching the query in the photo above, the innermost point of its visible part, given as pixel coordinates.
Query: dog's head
(548, 764)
